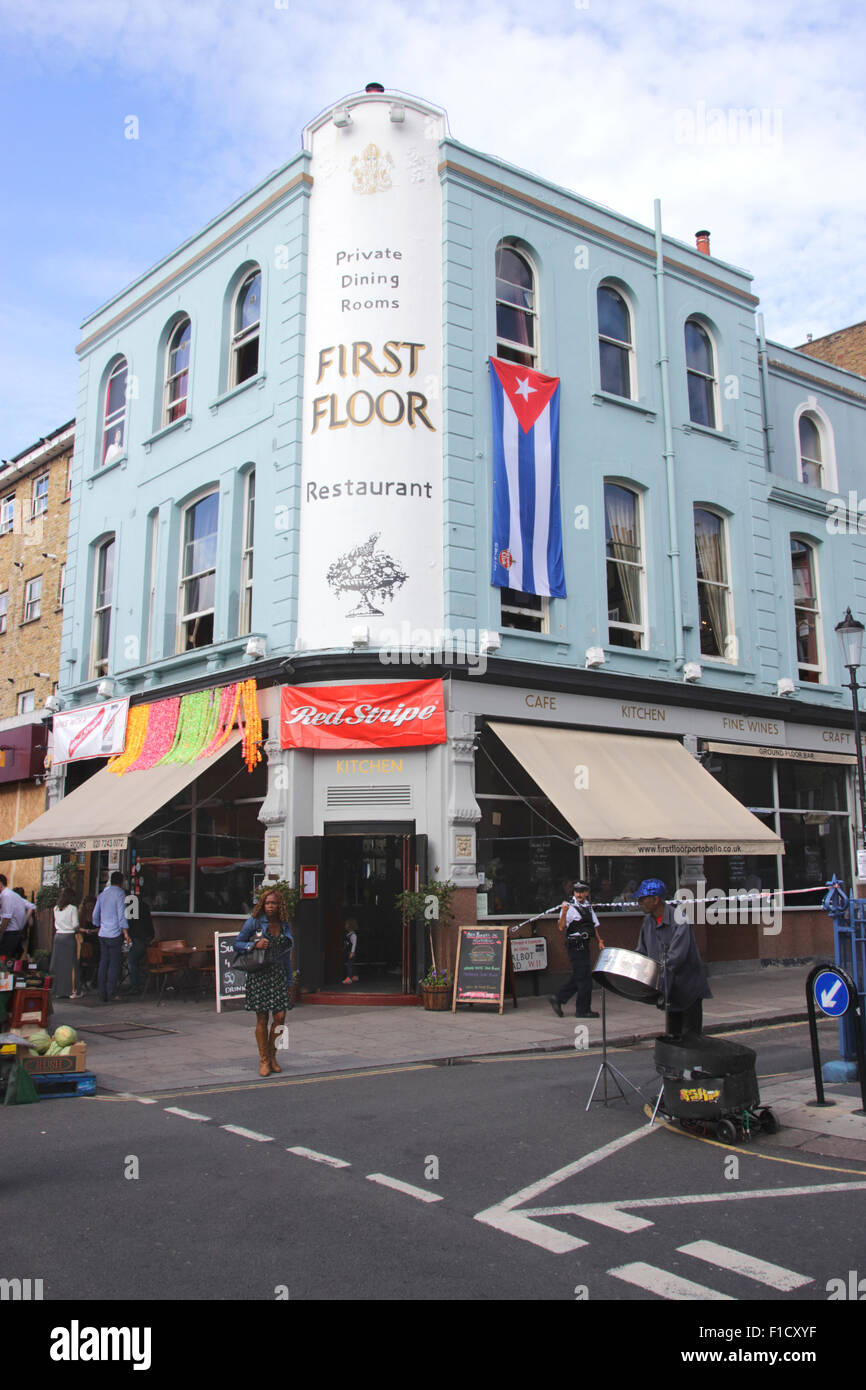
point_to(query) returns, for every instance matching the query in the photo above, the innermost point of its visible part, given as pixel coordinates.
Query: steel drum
(629, 974)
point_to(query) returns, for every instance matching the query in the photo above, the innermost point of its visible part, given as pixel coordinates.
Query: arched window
(714, 590)
(176, 395)
(246, 328)
(811, 452)
(114, 413)
(516, 311)
(625, 567)
(701, 375)
(198, 573)
(103, 588)
(615, 342)
(807, 614)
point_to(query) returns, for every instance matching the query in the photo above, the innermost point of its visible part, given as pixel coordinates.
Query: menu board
(479, 975)
(230, 984)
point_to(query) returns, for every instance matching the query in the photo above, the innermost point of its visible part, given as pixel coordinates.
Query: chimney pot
(702, 241)
(374, 87)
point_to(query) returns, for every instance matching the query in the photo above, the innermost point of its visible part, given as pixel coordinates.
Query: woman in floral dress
(268, 929)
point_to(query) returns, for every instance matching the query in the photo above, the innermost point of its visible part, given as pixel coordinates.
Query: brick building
(844, 348)
(35, 488)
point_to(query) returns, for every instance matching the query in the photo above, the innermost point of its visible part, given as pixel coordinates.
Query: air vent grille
(370, 796)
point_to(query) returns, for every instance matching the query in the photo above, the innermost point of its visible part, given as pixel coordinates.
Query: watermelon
(40, 1041)
(65, 1036)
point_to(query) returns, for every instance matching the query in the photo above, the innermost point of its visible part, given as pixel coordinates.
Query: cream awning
(631, 796)
(798, 755)
(107, 809)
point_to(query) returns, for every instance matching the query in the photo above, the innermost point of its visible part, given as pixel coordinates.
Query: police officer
(578, 920)
(666, 936)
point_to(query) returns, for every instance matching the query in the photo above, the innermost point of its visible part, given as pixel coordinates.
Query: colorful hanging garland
(186, 729)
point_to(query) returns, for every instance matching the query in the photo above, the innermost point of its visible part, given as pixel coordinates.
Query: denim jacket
(255, 927)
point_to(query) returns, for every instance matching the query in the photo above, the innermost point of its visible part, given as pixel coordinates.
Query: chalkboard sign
(479, 975)
(230, 984)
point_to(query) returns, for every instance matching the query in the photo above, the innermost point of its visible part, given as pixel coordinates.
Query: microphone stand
(667, 1030)
(607, 1066)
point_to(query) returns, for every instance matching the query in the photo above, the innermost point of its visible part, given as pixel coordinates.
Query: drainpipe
(765, 394)
(670, 471)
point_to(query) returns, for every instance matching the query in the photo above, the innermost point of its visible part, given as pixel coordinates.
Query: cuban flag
(527, 520)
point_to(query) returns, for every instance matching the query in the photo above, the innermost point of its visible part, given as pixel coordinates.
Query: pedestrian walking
(109, 915)
(666, 936)
(88, 936)
(141, 932)
(267, 993)
(64, 953)
(16, 914)
(578, 920)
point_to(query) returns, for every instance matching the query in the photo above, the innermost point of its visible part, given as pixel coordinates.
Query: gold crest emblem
(372, 171)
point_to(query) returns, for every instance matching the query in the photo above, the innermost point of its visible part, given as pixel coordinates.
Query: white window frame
(821, 421)
(26, 701)
(820, 668)
(39, 496)
(712, 377)
(535, 352)
(33, 599)
(171, 411)
(187, 620)
(616, 342)
(247, 556)
(4, 610)
(7, 514)
(540, 614)
(242, 337)
(729, 657)
(642, 628)
(61, 585)
(102, 611)
(117, 419)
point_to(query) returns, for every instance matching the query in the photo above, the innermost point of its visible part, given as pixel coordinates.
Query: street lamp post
(850, 634)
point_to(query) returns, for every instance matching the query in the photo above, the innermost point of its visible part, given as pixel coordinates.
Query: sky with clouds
(623, 102)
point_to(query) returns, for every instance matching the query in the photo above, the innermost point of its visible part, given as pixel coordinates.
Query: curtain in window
(623, 547)
(711, 568)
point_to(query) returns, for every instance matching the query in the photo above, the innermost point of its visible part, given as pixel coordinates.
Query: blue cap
(651, 888)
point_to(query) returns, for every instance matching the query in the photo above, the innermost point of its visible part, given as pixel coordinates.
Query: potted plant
(431, 903)
(436, 988)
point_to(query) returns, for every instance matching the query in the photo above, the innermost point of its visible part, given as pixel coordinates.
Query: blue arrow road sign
(831, 994)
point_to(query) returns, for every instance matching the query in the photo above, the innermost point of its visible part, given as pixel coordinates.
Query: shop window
(525, 612)
(114, 413)
(701, 375)
(625, 569)
(198, 573)
(176, 397)
(516, 309)
(246, 329)
(714, 591)
(615, 347)
(807, 615)
(102, 590)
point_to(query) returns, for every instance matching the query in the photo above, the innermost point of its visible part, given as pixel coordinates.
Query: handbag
(249, 962)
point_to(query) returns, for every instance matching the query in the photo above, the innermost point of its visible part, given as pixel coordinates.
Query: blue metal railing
(849, 937)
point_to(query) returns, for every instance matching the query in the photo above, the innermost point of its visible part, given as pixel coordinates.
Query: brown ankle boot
(272, 1046)
(264, 1053)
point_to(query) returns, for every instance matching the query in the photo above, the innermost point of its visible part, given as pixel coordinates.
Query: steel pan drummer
(667, 937)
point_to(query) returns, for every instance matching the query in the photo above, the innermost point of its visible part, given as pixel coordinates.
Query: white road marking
(186, 1114)
(249, 1134)
(666, 1285)
(319, 1158)
(142, 1100)
(776, 1276)
(611, 1214)
(503, 1217)
(406, 1187)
